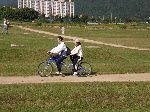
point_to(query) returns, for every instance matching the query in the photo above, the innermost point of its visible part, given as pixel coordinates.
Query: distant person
(60, 53)
(5, 26)
(62, 30)
(76, 55)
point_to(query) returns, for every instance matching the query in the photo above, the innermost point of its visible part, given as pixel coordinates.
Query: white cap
(77, 40)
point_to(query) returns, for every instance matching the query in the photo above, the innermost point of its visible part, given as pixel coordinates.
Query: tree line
(25, 14)
(123, 9)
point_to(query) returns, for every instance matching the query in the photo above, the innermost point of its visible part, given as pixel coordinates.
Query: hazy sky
(8, 2)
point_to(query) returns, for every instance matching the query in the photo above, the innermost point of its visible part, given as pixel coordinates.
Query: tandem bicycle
(45, 68)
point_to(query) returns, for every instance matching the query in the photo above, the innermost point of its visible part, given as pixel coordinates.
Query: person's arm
(53, 50)
(58, 49)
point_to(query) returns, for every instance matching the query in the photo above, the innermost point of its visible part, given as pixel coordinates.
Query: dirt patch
(26, 33)
(69, 41)
(92, 47)
(15, 45)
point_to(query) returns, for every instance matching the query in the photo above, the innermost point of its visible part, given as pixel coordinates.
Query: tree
(25, 14)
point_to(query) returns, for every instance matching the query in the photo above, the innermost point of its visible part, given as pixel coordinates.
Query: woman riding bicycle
(76, 55)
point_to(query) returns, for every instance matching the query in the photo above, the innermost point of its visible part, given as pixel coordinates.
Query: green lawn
(134, 36)
(75, 97)
(23, 60)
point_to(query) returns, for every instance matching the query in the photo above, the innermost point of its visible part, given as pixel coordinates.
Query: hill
(119, 8)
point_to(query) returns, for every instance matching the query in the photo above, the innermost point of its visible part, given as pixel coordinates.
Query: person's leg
(7, 29)
(58, 63)
(3, 29)
(71, 58)
(75, 63)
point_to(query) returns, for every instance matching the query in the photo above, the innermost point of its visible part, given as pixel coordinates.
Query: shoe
(57, 73)
(75, 73)
(62, 74)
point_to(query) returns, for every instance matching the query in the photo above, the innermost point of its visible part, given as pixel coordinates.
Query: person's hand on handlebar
(48, 52)
(51, 54)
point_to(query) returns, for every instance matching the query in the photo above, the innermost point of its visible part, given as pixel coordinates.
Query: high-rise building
(49, 7)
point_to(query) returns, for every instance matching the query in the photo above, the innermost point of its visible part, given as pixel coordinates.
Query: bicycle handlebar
(52, 54)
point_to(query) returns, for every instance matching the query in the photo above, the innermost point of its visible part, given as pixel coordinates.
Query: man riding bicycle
(60, 52)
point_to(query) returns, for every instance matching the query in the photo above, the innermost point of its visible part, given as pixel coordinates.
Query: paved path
(86, 40)
(98, 78)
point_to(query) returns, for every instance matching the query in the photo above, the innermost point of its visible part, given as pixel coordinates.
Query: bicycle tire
(84, 69)
(66, 68)
(44, 69)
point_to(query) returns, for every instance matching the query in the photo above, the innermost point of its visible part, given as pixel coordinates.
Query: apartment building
(49, 7)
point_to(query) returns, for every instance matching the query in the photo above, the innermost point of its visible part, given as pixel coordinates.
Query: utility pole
(111, 17)
(103, 18)
(116, 20)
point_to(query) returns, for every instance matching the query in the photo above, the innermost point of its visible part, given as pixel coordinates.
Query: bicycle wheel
(67, 68)
(84, 69)
(44, 69)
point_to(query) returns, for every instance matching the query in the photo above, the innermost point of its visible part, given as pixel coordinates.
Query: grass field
(75, 97)
(135, 36)
(23, 60)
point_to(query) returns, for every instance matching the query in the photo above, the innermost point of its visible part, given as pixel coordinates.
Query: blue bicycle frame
(53, 59)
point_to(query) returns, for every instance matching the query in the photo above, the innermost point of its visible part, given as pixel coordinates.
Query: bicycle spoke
(44, 69)
(84, 69)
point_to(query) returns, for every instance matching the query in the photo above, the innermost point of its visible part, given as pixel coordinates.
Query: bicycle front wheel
(84, 69)
(44, 69)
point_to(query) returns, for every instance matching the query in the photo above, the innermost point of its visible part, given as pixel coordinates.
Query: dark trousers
(59, 61)
(74, 59)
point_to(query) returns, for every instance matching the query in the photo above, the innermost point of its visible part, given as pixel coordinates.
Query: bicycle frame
(53, 61)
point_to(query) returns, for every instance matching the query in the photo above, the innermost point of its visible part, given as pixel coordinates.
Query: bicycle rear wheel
(84, 69)
(44, 69)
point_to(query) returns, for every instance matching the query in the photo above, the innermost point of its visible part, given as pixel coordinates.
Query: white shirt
(78, 51)
(59, 48)
(5, 23)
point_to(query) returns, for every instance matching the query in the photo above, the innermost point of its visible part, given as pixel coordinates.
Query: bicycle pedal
(52, 75)
(63, 75)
